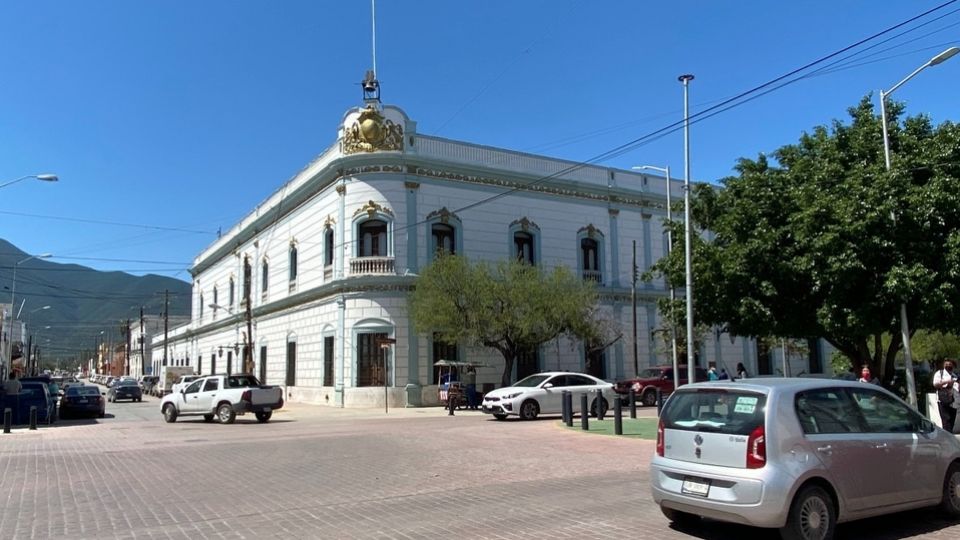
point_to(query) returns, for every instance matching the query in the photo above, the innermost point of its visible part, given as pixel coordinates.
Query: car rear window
(242, 381)
(732, 412)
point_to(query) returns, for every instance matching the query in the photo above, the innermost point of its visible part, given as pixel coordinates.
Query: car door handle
(880, 446)
(825, 449)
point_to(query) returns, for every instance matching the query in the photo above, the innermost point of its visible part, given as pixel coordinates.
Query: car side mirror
(547, 385)
(927, 426)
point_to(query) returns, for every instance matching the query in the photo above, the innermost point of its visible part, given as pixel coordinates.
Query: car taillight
(246, 396)
(757, 449)
(660, 439)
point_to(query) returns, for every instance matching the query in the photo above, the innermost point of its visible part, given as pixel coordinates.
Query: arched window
(444, 238)
(328, 246)
(231, 292)
(216, 297)
(201, 305)
(523, 249)
(590, 243)
(372, 238)
(247, 279)
(264, 276)
(292, 257)
(291, 378)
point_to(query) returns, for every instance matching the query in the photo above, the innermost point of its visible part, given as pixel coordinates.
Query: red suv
(649, 379)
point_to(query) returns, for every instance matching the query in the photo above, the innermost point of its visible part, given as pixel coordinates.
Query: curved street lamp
(904, 325)
(13, 290)
(41, 177)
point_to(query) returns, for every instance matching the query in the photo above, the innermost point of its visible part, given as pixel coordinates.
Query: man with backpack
(945, 383)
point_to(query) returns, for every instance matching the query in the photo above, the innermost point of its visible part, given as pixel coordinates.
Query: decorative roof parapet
(371, 132)
(372, 208)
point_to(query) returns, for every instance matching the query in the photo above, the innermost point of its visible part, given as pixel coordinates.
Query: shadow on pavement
(889, 527)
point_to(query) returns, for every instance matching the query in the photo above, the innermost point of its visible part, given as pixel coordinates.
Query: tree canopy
(511, 306)
(823, 241)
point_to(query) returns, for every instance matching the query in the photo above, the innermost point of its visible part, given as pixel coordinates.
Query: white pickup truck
(223, 397)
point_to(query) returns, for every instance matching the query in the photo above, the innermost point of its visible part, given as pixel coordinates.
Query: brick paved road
(323, 473)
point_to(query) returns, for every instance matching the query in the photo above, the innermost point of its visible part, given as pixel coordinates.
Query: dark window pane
(293, 263)
(263, 365)
(444, 238)
(291, 363)
(229, 362)
(328, 247)
(328, 361)
(373, 238)
(523, 247)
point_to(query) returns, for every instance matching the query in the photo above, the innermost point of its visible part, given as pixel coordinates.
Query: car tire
(226, 414)
(263, 417)
(208, 418)
(169, 413)
(951, 491)
(678, 517)
(101, 415)
(812, 516)
(603, 403)
(529, 410)
(649, 398)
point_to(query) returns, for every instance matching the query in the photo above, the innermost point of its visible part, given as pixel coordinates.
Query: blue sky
(185, 115)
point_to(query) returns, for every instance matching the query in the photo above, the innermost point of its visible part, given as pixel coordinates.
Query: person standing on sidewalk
(470, 380)
(948, 394)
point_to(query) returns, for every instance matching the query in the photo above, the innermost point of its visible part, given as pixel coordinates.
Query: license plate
(696, 486)
(82, 401)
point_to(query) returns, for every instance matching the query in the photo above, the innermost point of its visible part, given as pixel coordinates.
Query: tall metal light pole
(673, 291)
(13, 291)
(904, 325)
(42, 177)
(31, 369)
(685, 79)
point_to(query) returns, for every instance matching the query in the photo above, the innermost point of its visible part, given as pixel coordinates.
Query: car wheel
(650, 398)
(604, 407)
(678, 517)
(226, 414)
(951, 491)
(263, 417)
(500, 416)
(208, 418)
(812, 516)
(529, 410)
(101, 415)
(169, 413)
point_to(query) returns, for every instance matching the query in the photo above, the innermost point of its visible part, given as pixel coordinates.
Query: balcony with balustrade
(366, 266)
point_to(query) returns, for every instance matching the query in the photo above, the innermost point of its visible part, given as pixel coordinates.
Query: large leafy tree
(823, 241)
(510, 306)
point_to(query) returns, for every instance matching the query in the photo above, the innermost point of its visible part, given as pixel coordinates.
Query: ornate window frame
(595, 234)
(448, 218)
(371, 326)
(525, 225)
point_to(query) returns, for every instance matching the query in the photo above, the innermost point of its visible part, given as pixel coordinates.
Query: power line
(112, 223)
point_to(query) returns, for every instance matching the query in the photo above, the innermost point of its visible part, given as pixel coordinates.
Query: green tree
(510, 306)
(823, 241)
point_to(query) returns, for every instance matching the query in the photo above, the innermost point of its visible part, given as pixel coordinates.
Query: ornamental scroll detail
(371, 132)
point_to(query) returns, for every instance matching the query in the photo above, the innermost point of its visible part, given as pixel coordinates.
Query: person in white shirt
(948, 394)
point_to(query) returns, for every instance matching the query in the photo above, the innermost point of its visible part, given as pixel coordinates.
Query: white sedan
(543, 394)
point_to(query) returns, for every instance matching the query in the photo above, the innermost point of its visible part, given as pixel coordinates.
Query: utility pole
(127, 355)
(166, 322)
(633, 299)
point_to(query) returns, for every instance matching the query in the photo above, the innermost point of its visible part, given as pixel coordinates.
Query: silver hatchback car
(800, 455)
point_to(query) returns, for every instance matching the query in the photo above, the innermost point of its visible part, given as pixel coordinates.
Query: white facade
(380, 190)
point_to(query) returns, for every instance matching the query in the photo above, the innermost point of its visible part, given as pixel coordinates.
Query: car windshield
(650, 373)
(532, 381)
(128, 383)
(732, 412)
(241, 381)
(83, 391)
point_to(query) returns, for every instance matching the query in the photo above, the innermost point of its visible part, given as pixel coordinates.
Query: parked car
(82, 400)
(125, 389)
(223, 397)
(35, 394)
(542, 394)
(53, 389)
(647, 382)
(800, 455)
(145, 380)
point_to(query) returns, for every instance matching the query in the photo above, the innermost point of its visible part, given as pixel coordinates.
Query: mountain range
(83, 302)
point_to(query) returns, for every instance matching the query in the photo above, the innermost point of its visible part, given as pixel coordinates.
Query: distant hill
(83, 301)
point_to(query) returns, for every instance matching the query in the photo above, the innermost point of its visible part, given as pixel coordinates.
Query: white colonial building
(319, 272)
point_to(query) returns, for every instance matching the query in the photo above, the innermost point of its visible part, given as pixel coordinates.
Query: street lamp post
(42, 177)
(685, 79)
(904, 325)
(673, 292)
(13, 291)
(31, 369)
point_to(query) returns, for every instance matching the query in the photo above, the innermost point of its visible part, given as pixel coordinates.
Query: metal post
(584, 413)
(618, 418)
(633, 301)
(633, 403)
(7, 419)
(565, 407)
(599, 402)
(33, 417)
(450, 403)
(685, 79)
(569, 399)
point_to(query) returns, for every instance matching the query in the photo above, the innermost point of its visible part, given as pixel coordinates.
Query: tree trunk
(508, 360)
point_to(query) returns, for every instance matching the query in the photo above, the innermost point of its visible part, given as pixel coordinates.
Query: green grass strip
(638, 428)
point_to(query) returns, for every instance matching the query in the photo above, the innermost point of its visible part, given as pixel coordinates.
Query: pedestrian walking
(948, 394)
(867, 377)
(712, 374)
(470, 379)
(12, 386)
(741, 371)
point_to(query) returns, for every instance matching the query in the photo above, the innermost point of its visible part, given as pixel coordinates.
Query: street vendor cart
(448, 381)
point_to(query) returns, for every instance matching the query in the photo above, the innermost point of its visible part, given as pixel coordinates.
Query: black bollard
(659, 401)
(450, 404)
(584, 413)
(618, 418)
(633, 403)
(568, 403)
(33, 417)
(564, 411)
(599, 402)
(7, 419)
